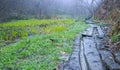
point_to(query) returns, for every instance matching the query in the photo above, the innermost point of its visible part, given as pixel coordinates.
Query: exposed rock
(90, 52)
(109, 60)
(92, 55)
(73, 63)
(117, 56)
(83, 62)
(101, 34)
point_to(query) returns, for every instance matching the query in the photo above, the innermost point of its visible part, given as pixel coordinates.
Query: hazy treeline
(22, 9)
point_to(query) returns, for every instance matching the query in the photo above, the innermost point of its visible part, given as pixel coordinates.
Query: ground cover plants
(42, 50)
(14, 30)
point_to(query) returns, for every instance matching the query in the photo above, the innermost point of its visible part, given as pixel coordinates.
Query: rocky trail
(91, 53)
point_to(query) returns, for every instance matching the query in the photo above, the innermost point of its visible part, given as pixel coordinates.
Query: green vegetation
(41, 51)
(115, 37)
(111, 16)
(103, 24)
(11, 31)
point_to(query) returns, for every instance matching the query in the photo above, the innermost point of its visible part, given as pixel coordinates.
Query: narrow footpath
(90, 52)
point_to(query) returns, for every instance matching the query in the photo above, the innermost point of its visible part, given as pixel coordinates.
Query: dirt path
(90, 52)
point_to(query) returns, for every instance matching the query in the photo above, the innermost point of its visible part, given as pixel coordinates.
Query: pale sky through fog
(88, 1)
(71, 1)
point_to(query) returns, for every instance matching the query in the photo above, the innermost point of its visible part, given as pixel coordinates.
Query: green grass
(13, 30)
(34, 22)
(115, 37)
(100, 23)
(41, 52)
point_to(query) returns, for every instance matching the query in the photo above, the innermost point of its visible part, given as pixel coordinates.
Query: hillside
(109, 12)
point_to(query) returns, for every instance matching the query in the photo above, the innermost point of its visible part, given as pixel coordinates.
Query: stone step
(88, 32)
(100, 32)
(83, 62)
(117, 56)
(89, 22)
(73, 63)
(108, 59)
(91, 54)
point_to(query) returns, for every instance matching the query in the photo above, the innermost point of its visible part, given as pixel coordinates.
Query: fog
(46, 8)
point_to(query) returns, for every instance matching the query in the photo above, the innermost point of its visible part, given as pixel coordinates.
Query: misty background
(24, 9)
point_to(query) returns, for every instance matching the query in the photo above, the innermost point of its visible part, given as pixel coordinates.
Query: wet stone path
(90, 52)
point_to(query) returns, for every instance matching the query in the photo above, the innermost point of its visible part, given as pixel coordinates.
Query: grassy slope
(39, 52)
